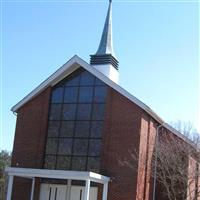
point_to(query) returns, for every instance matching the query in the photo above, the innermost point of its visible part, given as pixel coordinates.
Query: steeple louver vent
(104, 60)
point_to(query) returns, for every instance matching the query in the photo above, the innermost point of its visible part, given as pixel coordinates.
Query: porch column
(32, 189)
(105, 191)
(10, 185)
(87, 190)
(69, 183)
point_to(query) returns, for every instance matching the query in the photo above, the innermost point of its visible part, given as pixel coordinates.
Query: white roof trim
(57, 174)
(74, 63)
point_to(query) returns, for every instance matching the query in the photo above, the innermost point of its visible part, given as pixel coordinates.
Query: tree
(177, 164)
(187, 129)
(177, 168)
(5, 160)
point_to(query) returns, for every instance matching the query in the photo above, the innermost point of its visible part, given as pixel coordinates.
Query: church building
(73, 130)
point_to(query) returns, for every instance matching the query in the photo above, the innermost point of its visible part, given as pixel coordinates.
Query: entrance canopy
(57, 174)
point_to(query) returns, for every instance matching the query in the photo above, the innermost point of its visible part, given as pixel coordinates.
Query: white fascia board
(180, 135)
(66, 69)
(57, 174)
(119, 89)
(74, 63)
(99, 177)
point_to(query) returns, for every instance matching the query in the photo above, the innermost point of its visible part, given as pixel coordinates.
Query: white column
(105, 191)
(32, 189)
(10, 185)
(87, 190)
(69, 183)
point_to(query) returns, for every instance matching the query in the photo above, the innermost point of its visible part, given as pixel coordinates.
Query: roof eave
(50, 81)
(74, 63)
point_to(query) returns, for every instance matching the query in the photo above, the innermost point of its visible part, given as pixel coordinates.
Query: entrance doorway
(53, 192)
(61, 192)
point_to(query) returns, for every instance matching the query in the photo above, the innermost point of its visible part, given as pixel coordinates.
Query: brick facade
(30, 139)
(127, 130)
(121, 138)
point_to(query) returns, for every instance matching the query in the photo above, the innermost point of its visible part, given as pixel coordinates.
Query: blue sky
(156, 44)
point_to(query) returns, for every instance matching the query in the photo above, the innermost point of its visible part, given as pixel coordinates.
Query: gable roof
(74, 63)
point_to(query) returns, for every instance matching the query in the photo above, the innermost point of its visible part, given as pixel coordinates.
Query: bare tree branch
(178, 167)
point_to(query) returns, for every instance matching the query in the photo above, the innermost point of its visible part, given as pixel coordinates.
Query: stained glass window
(75, 127)
(79, 163)
(67, 128)
(63, 163)
(57, 95)
(84, 111)
(96, 129)
(98, 112)
(55, 112)
(50, 162)
(80, 147)
(94, 147)
(85, 94)
(93, 164)
(51, 147)
(71, 94)
(69, 111)
(82, 129)
(100, 94)
(65, 146)
(53, 129)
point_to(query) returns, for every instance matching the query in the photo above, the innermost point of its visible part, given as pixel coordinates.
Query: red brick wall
(147, 141)
(191, 178)
(128, 129)
(30, 137)
(198, 183)
(121, 138)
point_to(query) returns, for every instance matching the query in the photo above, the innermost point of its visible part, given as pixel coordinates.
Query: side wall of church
(121, 139)
(147, 142)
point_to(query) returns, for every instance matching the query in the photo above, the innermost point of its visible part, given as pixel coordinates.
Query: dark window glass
(82, 129)
(67, 129)
(53, 128)
(51, 146)
(80, 147)
(63, 163)
(87, 78)
(85, 94)
(50, 162)
(99, 82)
(69, 111)
(98, 112)
(94, 147)
(76, 123)
(100, 94)
(55, 112)
(96, 129)
(71, 94)
(93, 164)
(57, 95)
(65, 146)
(79, 163)
(73, 81)
(84, 111)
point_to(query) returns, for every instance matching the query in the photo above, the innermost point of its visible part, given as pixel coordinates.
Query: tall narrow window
(76, 118)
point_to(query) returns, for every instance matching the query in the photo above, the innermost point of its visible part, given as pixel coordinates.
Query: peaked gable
(73, 64)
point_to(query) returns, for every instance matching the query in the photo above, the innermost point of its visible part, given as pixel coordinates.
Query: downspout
(156, 158)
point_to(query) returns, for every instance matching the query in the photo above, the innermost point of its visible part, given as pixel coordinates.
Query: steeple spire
(106, 44)
(105, 56)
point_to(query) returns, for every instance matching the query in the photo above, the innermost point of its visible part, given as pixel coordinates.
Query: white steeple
(104, 60)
